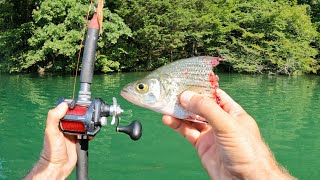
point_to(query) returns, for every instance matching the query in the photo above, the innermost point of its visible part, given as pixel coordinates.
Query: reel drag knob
(134, 130)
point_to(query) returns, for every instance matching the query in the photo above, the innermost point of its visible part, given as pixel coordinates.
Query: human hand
(230, 145)
(58, 156)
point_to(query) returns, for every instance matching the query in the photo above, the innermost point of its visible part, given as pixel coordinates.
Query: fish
(160, 90)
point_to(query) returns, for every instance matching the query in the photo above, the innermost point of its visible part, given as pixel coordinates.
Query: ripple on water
(286, 109)
(2, 174)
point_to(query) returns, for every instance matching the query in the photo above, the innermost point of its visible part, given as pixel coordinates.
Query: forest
(253, 36)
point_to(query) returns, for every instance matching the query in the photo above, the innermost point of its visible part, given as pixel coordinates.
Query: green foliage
(270, 37)
(110, 45)
(56, 39)
(56, 35)
(164, 31)
(314, 7)
(314, 11)
(107, 65)
(15, 29)
(254, 36)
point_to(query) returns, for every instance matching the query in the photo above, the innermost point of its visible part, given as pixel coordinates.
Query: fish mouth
(126, 95)
(123, 91)
(131, 98)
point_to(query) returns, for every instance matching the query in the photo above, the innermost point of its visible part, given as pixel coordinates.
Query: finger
(200, 126)
(235, 110)
(183, 128)
(54, 116)
(90, 138)
(71, 150)
(228, 104)
(71, 142)
(207, 108)
(71, 138)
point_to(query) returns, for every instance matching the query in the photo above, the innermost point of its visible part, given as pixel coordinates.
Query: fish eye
(141, 87)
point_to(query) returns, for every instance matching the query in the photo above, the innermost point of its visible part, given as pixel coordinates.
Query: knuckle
(178, 125)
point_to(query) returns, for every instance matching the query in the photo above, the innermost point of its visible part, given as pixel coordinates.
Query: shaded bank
(255, 36)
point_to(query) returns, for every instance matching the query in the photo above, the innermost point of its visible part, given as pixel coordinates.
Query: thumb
(207, 108)
(54, 115)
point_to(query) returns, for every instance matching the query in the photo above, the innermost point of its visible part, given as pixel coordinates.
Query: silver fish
(160, 90)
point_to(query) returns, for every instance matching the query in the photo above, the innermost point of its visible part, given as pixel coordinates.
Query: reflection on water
(287, 111)
(285, 108)
(2, 176)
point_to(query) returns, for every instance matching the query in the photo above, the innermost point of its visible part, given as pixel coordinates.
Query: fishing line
(80, 49)
(99, 11)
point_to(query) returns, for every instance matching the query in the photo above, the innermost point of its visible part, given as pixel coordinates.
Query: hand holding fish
(230, 145)
(227, 139)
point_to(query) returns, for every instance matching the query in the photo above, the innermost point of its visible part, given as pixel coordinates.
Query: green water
(286, 109)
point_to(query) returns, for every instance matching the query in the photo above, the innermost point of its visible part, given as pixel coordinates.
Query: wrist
(269, 171)
(44, 169)
(267, 168)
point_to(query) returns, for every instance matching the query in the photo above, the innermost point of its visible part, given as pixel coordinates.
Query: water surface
(286, 109)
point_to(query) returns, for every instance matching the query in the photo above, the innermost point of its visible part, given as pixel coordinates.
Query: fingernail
(62, 105)
(185, 97)
(61, 108)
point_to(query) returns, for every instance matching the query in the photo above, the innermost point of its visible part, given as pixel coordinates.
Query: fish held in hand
(160, 90)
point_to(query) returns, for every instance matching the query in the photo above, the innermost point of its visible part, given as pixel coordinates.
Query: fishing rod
(85, 115)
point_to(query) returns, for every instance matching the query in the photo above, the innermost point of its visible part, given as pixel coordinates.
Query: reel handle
(134, 130)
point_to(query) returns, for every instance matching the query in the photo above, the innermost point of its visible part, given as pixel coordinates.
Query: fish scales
(191, 73)
(160, 90)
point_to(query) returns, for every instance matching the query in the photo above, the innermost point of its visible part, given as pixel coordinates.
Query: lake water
(286, 109)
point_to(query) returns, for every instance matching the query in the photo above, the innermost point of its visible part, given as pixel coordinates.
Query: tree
(15, 29)
(269, 36)
(56, 35)
(254, 36)
(314, 6)
(314, 11)
(164, 31)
